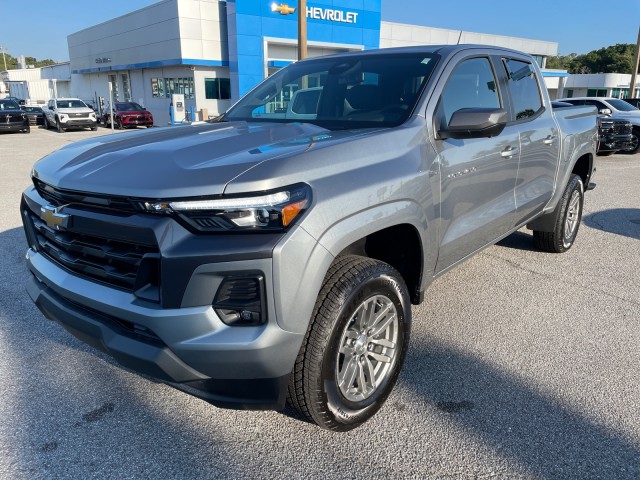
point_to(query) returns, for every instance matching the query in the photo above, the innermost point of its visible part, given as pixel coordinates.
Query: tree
(12, 62)
(613, 59)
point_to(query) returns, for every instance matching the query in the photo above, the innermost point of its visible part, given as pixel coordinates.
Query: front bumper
(614, 143)
(135, 121)
(179, 339)
(14, 127)
(78, 122)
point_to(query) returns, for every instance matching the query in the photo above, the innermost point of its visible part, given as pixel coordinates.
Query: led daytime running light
(233, 203)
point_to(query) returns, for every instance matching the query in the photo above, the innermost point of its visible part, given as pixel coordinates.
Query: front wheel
(355, 346)
(566, 226)
(59, 126)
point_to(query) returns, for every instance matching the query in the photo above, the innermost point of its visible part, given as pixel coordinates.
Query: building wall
(254, 25)
(404, 35)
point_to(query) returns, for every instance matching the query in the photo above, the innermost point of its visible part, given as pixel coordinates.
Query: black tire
(568, 221)
(45, 124)
(118, 124)
(635, 141)
(27, 129)
(351, 284)
(59, 126)
(94, 128)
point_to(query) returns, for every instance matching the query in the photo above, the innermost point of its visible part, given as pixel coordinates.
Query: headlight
(268, 211)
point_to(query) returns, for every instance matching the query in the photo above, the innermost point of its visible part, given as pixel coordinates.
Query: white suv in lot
(617, 108)
(65, 113)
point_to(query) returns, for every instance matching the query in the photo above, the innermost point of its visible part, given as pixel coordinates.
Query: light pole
(3, 49)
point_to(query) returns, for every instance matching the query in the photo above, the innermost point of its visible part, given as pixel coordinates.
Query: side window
(472, 85)
(595, 103)
(525, 91)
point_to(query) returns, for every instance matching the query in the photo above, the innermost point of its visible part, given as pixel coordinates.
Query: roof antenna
(459, 38)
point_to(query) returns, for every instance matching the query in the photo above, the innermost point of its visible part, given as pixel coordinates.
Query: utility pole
(3, 49)
(302, 29)
(634, 71)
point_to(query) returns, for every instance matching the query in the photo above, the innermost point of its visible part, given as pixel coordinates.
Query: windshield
(71, 104)
(357, 91)
(9, 105)
(622, 105)
(129, 107)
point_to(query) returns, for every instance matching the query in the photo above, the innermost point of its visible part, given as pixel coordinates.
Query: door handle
(550, 140)
(509, 152)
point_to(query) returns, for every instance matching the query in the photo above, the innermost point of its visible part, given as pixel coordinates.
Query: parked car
(617, 108)
(34, 114)
(614, 134)
(12, 118)
(633, 101)
(127, 114)
(66, 113)
(260, 258)
(19, 101)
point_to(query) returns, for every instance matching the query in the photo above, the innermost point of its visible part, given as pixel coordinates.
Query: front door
(478, 175)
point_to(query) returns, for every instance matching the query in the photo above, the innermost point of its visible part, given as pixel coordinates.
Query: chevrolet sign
(282, 9)
(318, 13)
(53, 217)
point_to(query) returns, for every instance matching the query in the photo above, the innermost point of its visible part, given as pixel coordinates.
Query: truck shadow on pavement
(621, 221)
(548, 438)
(519, 241)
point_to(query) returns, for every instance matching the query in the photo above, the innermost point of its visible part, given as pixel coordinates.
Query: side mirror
(475, 123)
(605, 111)
(50, 107)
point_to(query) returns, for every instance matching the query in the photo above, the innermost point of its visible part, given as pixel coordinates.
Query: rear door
(477, 175)
(539, 138)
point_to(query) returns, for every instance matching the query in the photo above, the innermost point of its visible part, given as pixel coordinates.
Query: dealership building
(213, 51)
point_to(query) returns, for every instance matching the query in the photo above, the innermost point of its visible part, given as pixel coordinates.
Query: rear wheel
(566, 227)
(355, 346)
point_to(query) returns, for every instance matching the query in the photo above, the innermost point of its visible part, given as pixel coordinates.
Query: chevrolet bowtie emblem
(54, 218)
(282, 9)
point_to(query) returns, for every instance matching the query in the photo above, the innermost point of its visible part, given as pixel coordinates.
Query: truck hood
(178, 161)
(633, 117)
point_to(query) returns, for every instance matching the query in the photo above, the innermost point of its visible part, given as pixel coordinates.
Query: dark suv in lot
(12, 118)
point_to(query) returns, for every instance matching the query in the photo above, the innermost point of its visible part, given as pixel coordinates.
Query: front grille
(118, 263)
(622, 127)
(78, 115)
(58, 197)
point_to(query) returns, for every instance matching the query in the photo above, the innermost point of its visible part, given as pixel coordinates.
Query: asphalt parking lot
(522, 364)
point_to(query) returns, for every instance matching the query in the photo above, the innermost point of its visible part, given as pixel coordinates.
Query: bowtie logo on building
(282, 9)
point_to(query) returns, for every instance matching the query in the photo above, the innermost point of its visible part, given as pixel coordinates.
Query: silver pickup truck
(261, 258)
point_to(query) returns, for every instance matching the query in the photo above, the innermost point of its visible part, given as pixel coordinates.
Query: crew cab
(66, 113)
(258, 259)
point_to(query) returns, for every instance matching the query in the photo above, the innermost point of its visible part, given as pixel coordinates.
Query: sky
(39, 28)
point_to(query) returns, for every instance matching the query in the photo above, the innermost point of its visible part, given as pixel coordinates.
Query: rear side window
(472, 85)
(525, 92)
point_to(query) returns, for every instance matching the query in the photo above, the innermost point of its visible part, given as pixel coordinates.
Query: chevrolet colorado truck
(260, 259)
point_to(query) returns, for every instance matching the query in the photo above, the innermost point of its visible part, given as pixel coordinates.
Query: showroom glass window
(217, 88)
(525, 91)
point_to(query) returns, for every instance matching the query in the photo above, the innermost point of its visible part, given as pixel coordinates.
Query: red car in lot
(127, 114)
